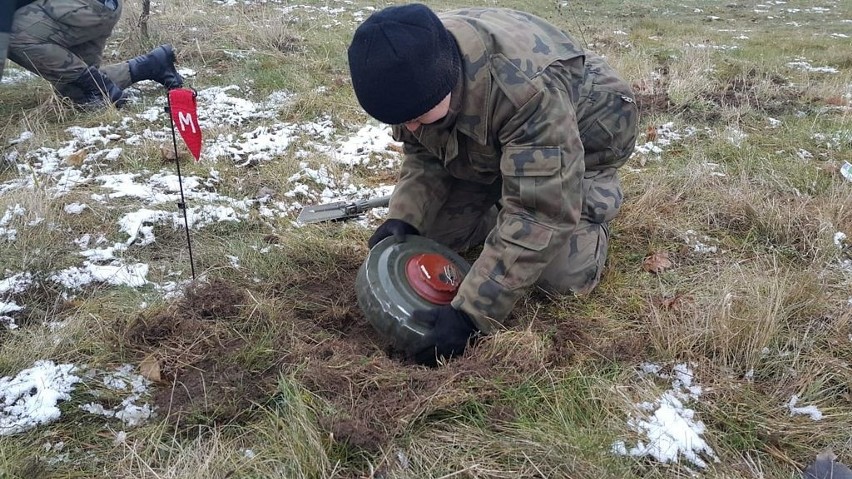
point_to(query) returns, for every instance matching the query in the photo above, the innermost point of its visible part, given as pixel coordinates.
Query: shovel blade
(327, 212)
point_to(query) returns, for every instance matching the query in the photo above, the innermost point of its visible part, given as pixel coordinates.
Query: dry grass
(270, 370)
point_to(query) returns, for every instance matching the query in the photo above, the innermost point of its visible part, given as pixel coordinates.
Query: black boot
(97, 90)
(157, 65)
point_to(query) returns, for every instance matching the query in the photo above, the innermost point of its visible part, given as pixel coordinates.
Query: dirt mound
(199, 356)
(653, 104)
(211, 374)
(214, 300)
(652, 97)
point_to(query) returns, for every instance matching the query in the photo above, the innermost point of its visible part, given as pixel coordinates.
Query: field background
(727, 295)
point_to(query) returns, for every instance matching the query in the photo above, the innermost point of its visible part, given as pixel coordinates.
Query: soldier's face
(439, 111)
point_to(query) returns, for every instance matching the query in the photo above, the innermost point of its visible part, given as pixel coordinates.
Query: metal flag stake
(183, 111)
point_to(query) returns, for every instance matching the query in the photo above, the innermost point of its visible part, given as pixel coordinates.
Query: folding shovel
(339, 211)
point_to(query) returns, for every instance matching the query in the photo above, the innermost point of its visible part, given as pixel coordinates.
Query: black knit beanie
(403, 62)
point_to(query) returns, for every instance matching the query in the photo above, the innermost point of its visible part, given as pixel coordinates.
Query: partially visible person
(63, 41)
(7, 10)
(512, 136)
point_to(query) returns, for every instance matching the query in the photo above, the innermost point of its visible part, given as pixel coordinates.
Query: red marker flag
(184, 111)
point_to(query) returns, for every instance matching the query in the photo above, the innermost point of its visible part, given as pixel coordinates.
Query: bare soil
(327, 345)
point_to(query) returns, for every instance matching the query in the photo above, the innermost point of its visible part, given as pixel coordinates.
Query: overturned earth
(222, 349)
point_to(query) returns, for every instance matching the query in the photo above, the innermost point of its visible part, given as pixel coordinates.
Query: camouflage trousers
(608, 128)
(59, 39)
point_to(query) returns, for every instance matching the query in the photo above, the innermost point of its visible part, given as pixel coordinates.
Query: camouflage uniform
(59, 39)
(538, 126)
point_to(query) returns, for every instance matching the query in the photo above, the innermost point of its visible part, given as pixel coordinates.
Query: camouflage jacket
(513, 118)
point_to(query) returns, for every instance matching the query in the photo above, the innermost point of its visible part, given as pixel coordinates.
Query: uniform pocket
(609, 131)
(522, 241)
(483, 158)
(533, 175)
(81, 13)
(484, 161)
(526, 234)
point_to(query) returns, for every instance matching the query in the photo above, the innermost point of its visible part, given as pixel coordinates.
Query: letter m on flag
(184, 112)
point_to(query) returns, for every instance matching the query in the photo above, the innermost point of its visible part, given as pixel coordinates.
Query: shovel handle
(379, 202)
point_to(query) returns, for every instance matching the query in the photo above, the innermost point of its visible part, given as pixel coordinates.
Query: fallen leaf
(77, 158)
(836, 101)
(673, 303)
(394, 147)
(656, 262)
(669, 303)
(651, 133)
(831, 168)
(150, 368)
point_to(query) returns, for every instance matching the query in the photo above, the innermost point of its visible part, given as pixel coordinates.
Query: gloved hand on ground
(397, 228)
(451, 331)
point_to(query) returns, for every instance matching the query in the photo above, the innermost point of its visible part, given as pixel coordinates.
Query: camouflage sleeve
(422, 187)
(542, 169)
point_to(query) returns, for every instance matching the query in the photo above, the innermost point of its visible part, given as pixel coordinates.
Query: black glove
(396, 228)
(451, 330)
